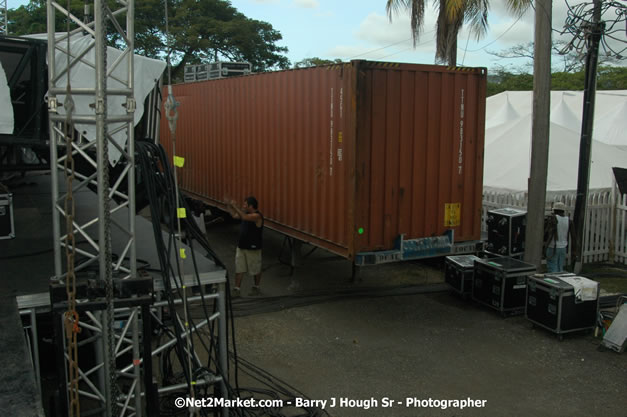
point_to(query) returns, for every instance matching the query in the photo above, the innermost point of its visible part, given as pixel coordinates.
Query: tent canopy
(508, 139)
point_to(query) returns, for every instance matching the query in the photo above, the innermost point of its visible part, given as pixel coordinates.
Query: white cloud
(499, 10)
(400, 53)
(378, 30)
(376, 38)
(510, 32)
(307, 4)
(347, 51)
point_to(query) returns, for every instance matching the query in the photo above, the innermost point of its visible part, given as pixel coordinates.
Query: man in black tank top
(249, 243)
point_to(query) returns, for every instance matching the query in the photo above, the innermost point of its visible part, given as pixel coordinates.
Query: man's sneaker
(254, 291)
(235, 292)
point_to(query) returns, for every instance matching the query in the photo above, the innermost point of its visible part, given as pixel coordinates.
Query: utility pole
(539, 132)
(593, 38)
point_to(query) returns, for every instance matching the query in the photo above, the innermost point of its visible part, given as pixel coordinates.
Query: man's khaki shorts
(248, 260)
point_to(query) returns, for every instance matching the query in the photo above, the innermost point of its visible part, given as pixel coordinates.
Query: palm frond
(518, 7)
(454, 8)
(393, 7)
(476, 15)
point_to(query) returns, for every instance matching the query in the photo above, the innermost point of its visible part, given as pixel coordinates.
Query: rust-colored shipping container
(347, 157)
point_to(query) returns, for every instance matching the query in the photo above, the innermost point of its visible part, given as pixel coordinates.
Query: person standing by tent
(248, 252)
(558, 228)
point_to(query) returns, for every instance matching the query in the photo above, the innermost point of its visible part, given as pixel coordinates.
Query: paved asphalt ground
(423, 346)
(430, 345)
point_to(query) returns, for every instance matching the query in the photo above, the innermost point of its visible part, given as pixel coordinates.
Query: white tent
(508, 139)
(6, 113)
(146, 71)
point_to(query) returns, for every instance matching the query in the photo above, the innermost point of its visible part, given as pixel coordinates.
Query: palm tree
(452, 14)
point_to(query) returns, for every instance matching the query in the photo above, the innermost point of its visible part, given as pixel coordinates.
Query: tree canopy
(315, 62)
(563, 59)
(200, 31)
(608, 78)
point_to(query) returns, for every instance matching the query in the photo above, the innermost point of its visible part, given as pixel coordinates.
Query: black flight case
(551, 304)
(7, 228)
(501, 283)
(458, 272)
(506, 231)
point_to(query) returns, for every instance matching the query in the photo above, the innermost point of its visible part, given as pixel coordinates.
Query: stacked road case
(459, 271)
(553, 305)
(506, 231)
(501, 283)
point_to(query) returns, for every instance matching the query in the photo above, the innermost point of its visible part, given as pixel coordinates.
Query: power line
(395, 53)
(403, 50)
(497, 38)
(501, 35)
(387, 46)
(465, 49)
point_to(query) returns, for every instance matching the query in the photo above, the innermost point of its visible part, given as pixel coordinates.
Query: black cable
(160, 190)
(157, 185)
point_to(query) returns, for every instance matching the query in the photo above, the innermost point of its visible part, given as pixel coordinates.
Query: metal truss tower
(65, 53)
(4, 19)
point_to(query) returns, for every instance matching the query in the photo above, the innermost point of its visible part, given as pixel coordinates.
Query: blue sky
(360, 29)
(352, 29)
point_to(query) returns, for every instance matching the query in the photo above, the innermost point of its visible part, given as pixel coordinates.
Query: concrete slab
(18, 394)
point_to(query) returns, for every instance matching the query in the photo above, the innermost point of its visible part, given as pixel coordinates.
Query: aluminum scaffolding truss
(136, 399)
(4, 20)
(128, 401)
(119, 382)
(82, 147)
(63, 58)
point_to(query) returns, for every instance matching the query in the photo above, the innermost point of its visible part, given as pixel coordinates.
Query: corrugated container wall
(346, 157)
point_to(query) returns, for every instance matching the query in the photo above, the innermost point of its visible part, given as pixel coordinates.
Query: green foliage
(612, 78)
(608, 78)
(506, 81)
(28, 19)
(199, 31)
(315, 62)
(568, 80)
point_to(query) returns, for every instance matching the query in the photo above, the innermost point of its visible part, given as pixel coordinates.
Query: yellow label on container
(181, 213)
(182, 253)
(179, 161)
(452, 214)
